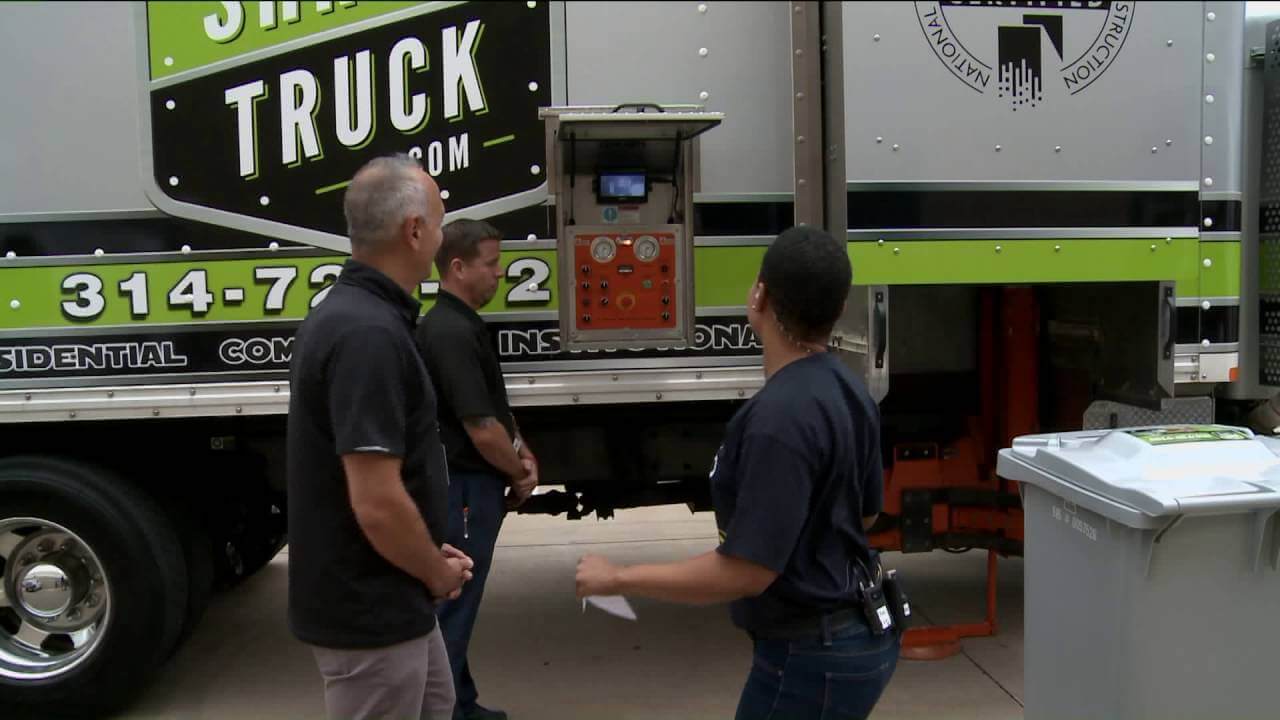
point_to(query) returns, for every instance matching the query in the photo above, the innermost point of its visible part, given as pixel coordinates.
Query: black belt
(815, 626)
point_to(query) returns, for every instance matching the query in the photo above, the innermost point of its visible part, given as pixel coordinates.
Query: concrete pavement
(537, 655)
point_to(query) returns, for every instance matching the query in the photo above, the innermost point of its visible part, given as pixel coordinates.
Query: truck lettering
(224, 31)
(939, 35)
(243, 99)
(299, 100)
(221, 30)
(515, 344)
(460, 70)
(459, 154)
(1042, 4)
(949, 51)
(289, 12)
(460, 151)
(353, 132)
(728, 337)
(409, 114)
(256, 351)
(114, 356)
(435, 158)
(1093, 63)
(972, 72)
(523, 342)
(355, 107)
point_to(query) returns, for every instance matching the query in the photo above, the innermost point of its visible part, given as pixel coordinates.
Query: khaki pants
(409, 681)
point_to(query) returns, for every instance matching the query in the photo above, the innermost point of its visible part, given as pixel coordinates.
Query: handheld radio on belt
(884, 602)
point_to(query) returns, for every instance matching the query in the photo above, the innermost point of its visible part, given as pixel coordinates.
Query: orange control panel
(625, 281)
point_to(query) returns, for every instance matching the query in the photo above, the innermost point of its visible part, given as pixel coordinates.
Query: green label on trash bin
(1174, 435)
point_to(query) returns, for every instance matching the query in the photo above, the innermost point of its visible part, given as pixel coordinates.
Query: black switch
(586, 286)
(604, 284)
(666, 300)
(586, 318)
(586, 269)
(666, 316)
(604, 301)
(665, 269)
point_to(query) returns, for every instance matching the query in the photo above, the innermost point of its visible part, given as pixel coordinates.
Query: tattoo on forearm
(479, 423)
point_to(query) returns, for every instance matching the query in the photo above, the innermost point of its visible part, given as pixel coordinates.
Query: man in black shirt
(367, 478)
(795, 485)
(486, 451)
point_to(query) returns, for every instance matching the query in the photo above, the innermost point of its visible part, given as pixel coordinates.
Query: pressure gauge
(603, 249)
(646, 248)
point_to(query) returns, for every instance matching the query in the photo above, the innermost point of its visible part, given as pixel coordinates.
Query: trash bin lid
(1134, 475)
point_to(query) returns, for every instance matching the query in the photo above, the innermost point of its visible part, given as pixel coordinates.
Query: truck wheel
(94, 587)
(198, 553)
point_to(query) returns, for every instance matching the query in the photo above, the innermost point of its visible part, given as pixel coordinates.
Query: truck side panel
(738, 53)
(71, 111)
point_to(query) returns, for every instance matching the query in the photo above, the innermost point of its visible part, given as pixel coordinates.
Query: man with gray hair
(367, 476)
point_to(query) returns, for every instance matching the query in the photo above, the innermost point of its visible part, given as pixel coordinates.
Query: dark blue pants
(484, 494)
(838, 675)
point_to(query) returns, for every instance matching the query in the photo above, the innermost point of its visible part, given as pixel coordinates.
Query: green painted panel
(724, 275)
(1222, 277)
(205, 290)
(179, 41)
(941, 262)
(50, 296)
(174, 289)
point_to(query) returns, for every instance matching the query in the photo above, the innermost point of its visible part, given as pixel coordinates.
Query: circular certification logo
(1007, 49)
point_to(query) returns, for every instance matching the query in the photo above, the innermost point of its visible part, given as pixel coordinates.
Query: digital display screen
(623, 186)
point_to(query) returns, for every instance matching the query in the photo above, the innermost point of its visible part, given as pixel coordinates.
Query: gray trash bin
(1152, 573)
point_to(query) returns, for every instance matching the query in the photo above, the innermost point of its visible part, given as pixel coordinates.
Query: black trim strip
(1219, 324)
(867, 210)
(742, 218)
(536, 220)
(152, 235)
(1225, 214)
(893, 209)
(713, 219)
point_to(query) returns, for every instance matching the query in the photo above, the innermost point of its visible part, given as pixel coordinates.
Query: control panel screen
(621, 187)
(625, 281)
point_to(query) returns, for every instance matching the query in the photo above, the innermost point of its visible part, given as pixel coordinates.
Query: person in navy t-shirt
(795, 484)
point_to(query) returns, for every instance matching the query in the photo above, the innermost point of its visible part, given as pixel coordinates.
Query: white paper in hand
(615, 605)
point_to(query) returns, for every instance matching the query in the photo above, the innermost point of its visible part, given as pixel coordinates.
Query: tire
(127, 541)
(197, 549)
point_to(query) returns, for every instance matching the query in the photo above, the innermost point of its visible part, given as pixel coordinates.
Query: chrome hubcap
(54, 599)
(44, 591)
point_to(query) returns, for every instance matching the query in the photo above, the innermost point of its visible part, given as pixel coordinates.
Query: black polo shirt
(798, 470)
(358, 386)
(462, 360)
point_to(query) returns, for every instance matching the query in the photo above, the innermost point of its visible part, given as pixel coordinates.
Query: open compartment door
(861, 337)
(1120, 337)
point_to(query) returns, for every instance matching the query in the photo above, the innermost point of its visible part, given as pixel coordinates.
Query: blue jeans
(484, 494)
(838, 675)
